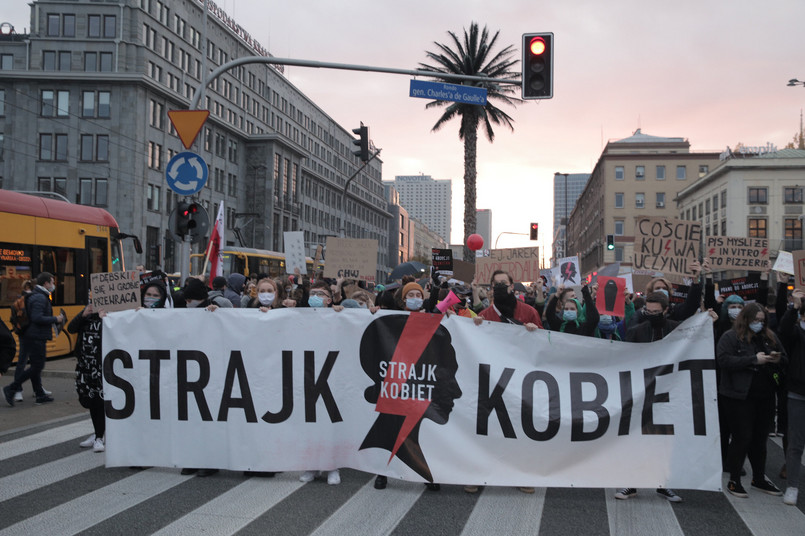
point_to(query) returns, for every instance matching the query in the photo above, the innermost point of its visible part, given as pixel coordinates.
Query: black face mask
(657, 320)
(504, 300)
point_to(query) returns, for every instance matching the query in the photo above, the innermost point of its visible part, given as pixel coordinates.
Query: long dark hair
(746, 317)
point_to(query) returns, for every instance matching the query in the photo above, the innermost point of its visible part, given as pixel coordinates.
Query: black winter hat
(194, 290)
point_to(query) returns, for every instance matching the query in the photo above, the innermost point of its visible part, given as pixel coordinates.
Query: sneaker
(737, 489)
(88, 442)
(18, 396)
(380, 482)
(8, 395)
(471, 489)
(44, 399)
(626, 493)
(47, 393)
(98, 445)
(790, 496)
(766, 486)
(527, 489)
(308, 476)
(333, 477)
(669, 494)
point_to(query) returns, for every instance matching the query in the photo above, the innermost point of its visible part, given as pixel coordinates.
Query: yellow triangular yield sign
(188, 124)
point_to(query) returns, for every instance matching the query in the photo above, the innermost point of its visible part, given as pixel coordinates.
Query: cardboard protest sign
(784, 263)
(521, 263)
(354, 258)
(295, 252)
(737, 253)
(115, 291)
(609, 298)
(799, 269)
(666, 244)
(566, 272)
(745, 287)
(442, 260)
(464, 271)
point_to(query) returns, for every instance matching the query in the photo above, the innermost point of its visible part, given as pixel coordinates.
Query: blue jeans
(796, 440)
(37, 352)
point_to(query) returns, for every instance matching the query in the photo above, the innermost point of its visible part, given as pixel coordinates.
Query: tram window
(15, 269)
(61, 263)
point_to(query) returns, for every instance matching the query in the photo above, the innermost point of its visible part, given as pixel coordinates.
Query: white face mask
(733, 312)
(266, 298)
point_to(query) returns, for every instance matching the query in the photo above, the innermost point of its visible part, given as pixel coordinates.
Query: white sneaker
(88, 442)
(48, 393)
(333, 477)
(790, 496)
(98, 445)
(308, 476)
(18, 396)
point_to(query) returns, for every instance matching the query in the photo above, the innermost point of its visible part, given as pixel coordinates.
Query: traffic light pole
(346, 187)
(341, 66)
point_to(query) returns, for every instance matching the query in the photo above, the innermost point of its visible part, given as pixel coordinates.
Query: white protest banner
(295, 252)
(418, 397)
(666, 244)
(784, 262)
(353, 258)
(115, 291)
(737, 253)
(566, 272)
(521, 263)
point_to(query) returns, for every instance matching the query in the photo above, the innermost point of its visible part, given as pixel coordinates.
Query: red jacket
(522, 313)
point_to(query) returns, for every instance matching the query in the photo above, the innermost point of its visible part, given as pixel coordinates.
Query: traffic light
(537, 76)
(185, 218)
(534, 232)
(610, 242)
(362, 142)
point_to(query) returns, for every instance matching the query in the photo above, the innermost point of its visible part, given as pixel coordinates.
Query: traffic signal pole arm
(342, 66)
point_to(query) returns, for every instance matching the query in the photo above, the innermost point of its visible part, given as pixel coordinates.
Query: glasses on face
(320, 293)
(651, 312)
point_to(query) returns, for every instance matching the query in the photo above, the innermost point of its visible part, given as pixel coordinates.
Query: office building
(427, 200)
(567, 188)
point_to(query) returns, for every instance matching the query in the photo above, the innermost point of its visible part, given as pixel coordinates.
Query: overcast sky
(714, 72)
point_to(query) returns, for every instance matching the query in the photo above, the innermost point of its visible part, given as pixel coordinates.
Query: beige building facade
(634, 177)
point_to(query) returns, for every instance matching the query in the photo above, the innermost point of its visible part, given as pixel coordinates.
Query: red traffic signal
(537, 66)
(537, 46)
(534, 232)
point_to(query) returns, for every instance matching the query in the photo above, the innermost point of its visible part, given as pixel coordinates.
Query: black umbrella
(408, 268)
(519, 287)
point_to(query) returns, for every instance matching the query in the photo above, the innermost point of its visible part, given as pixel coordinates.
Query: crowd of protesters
(759, 346)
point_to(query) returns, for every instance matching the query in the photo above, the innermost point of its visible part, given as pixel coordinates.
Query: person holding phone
(751, 359)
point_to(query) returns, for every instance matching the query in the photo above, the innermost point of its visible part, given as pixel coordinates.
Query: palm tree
(473, 56)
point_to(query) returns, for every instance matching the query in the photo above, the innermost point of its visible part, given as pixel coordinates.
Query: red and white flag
(215, 247)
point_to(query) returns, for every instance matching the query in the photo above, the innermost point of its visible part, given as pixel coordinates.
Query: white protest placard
(295, 252)
(566, 272)
(115, 291)
(544, 409)
(666, 244)
(784, 262)
(353, 258)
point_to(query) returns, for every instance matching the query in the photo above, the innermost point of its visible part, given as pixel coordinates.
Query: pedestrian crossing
(50, 486)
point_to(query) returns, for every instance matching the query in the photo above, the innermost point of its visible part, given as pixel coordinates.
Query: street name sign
(448, 92)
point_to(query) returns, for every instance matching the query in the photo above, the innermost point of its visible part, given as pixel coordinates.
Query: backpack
(19, 315)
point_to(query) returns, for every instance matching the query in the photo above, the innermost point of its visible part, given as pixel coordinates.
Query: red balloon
(475, 242)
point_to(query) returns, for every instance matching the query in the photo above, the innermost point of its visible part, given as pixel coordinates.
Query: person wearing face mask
(267, 296)
(40, 330)
(676, 312)
(412, 297)
(751, 359)
(792, 334)
(573, 317)
(197, 296)
(505, 307)
(154, 295)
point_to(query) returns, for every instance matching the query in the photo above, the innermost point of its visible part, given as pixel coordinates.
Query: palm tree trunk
(470, 155)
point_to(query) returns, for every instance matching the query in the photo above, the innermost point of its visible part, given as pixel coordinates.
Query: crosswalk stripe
(381, 511)
(90, 509)
(764, 514)
(646, 514)
(233, 510)
(43, 475)
(506, 511)
(24, 445)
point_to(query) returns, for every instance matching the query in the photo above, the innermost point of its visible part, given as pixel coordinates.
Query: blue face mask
(756, 326)
(569, 315)
(663, 291)
(414, 304)
(315, 301)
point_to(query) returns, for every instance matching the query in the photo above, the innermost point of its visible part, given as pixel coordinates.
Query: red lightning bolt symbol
(667, 246)
(568, 270)
(764, 252)
(712, 250)
(416, 335)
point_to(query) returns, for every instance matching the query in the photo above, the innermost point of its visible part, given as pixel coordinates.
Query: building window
(792, 194)
(660, 199)
(618, 254)
(56, 185)
(90, 62)
(793, 234)
(53, 23)
(102, 148)
(757, 228)
(724, 199)
(87, 148)
(49, 60)
(715, 204)
(660, 173)
(619, 173)
(707, 207)
(152, 197)
(104, 106)
(724, 227)
(618, 227)
(619, 200)
(639, 200)
(156, 112)
(93, 25)
(681, 173)
(53, 147)
(55, 103)
(68, 25)
(6, 62)
(758, 196)
(84, 192)
(106, 62)
(65, 57)
(694, 212)
(703, 170)
(640, 173)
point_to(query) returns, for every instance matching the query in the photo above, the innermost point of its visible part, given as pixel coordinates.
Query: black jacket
(793, 338)
(40, 313)
(643, 332)
(737, 360)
